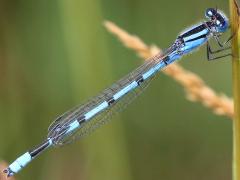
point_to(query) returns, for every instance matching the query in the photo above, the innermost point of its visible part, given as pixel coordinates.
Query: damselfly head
(218, 20)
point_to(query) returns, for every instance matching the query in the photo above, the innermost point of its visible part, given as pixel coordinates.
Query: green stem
(236, 89)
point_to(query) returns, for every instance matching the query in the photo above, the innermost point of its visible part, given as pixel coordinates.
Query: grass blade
(234, 19)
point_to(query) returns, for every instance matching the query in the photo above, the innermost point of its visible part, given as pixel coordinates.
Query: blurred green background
(57, 54)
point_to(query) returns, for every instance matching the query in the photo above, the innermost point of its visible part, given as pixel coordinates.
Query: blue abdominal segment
(96, 110)
(26, 158)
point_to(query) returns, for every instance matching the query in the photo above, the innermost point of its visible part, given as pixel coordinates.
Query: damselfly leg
(211, 54)
(223, 46)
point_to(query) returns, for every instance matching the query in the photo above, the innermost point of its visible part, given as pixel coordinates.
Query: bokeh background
(56, 54)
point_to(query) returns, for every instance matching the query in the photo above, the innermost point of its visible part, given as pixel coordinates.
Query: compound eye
(210, 12)
(218, 23)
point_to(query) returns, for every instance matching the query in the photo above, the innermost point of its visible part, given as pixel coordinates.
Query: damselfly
(83, 119)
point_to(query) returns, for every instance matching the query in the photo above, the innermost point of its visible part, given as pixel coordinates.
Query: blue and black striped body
(194, 37)
(82, 119)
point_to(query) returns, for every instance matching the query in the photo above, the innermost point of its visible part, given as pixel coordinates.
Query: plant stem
(234, 17)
